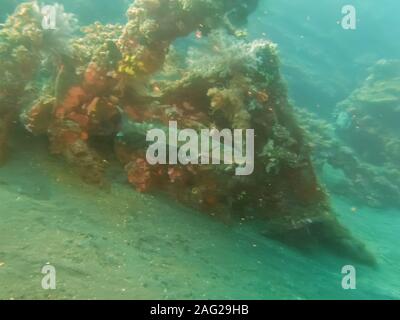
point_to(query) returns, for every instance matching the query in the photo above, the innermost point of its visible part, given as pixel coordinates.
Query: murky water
(113, 242)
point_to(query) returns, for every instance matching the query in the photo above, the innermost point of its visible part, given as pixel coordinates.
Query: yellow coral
(127, 65)
(129, 71)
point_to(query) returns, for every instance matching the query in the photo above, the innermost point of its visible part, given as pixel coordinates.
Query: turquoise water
(117, 243)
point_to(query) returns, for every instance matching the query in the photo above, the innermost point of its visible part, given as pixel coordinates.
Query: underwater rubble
(111, 83)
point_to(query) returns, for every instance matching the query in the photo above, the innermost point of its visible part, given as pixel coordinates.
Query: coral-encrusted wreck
(362, 148)
(115, 82)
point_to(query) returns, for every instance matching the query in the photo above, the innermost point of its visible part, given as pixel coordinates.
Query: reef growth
(368, 122)
(112, 83)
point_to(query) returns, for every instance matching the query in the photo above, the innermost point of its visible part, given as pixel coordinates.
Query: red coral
(75, 97)
(94, 78)
(139, 174)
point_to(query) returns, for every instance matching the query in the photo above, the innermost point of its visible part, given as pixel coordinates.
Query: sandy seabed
(120, 244)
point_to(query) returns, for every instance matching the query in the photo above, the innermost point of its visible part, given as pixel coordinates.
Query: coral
(231, 103)
(21, 39)
(374, 113)
(373, 131)
(376, 186)
(289, 192)
(24, 45)
(37, 118)
(110, 85)
(68, 139)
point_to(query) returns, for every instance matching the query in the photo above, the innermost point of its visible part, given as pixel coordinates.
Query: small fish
(241, 33)
(199, 34)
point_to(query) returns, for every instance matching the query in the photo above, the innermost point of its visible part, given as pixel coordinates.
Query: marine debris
(114, 82)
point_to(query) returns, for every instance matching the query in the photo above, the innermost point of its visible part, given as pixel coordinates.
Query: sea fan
(220, 48)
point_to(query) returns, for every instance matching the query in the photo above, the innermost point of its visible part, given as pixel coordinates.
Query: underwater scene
(200, 149)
